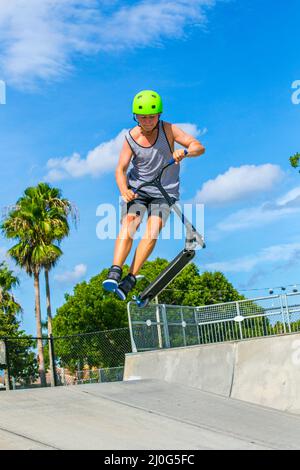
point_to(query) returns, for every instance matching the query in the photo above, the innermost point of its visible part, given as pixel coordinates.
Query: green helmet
(147, 102)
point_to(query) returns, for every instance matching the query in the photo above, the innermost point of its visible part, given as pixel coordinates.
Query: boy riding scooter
(148, 146)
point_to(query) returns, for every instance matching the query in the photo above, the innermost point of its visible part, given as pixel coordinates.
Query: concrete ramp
(146, 414)
(264, 371)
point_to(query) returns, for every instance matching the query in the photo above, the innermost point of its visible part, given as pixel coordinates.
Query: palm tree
(24, 224)
(8, 306)
(7, 281)
(7, 278)
(38, 219)
(58, 209)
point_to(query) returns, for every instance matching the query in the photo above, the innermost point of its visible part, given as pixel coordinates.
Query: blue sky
(225, 70)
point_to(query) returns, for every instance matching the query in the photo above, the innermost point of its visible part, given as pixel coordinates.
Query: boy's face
(147, 122)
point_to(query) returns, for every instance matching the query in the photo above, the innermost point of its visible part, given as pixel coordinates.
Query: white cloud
(287, 205)
(39, 38)
(292, 198)
(272, 254)
(102, 159)
(71, 276)
(148, 23)
(239, 183)
(191, 129)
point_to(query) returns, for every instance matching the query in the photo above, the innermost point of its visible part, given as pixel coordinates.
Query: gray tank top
(147, 161)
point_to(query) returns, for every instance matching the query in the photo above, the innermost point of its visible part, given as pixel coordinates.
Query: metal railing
(75, 359)
(163, 326)
(110, 374)
(100, 356)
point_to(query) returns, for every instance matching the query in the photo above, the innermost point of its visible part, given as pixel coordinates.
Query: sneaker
(125, 286)
(113, 278)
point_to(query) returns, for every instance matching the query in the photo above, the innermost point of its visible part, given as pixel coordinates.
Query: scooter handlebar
(172, 161)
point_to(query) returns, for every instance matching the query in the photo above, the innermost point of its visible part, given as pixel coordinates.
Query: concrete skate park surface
(146, 414)
(264, 371)
(172, 412)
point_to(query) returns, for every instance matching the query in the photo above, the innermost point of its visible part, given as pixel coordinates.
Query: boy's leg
(147, 243)
(130, 224)
(143, 251)
(158, 211)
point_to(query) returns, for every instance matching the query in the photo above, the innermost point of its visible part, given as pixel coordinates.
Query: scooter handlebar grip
(172, 161)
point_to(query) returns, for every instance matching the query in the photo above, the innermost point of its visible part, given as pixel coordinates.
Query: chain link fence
(83, 358)
(164, 326)
(100, 356)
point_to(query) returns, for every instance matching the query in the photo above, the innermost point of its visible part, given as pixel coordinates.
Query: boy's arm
(121, 178)
(193, 146)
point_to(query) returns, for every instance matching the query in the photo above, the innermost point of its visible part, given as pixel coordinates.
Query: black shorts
(153, 205)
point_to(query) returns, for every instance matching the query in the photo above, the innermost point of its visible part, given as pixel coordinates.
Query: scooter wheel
(142, 303)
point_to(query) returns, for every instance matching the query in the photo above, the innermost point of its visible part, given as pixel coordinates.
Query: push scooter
(193, 239)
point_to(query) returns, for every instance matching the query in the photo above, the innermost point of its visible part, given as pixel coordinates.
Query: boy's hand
(129, 195)
(178, 155)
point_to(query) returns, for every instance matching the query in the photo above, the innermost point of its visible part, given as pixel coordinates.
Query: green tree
(23, 364)
(7, 281)
(294, 160)
(90, 308)
(190, 287)
(38, 220)
(56, 210)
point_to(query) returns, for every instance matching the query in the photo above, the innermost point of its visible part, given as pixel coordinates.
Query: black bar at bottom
(167, 275)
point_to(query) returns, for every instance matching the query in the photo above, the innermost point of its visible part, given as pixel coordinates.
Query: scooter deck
(165, 277)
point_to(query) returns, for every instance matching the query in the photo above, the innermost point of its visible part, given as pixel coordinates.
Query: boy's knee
(130, 224)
